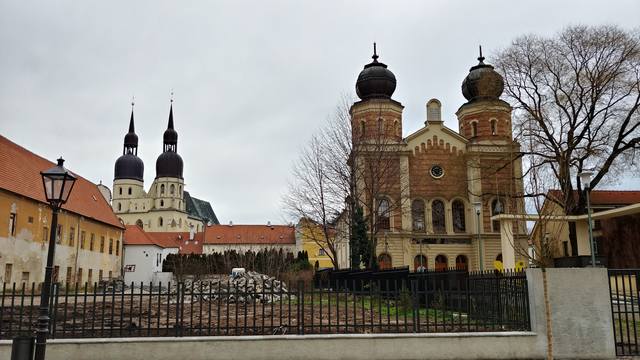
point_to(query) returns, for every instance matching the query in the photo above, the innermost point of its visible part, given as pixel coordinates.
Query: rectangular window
(79, 276)
(110, 246)
(7, 272)
(72, 235)
(101, 244)
(59, 234)
(117, 247)
(69, 277)
(158, 259)
(83, 239)
(25, 276)
(89, 276)
(12, 224)
(565, 248)
(100, 275)
(56, 273)
(30, 219)
(45, 234)
(92, 241)
(110, 274)
(321, 252)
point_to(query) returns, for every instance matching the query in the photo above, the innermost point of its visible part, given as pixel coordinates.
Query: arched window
(420, 263)
(162, 189)
(494, 127)
(161, 203)
(417, 214)
(380, 126)
(160, 221)
(384, 261)
(172, 189)
(441, 263)
(461, 262)
(396, 127)
(474, 129)
(362, 128)
(180, 222)
(120, 190)
(497, 208)
(119, 207)
(383, 221)
(180, 190)
(458, 212)
(140, 224)
(129, 190)
(437, 216)
(433, 110)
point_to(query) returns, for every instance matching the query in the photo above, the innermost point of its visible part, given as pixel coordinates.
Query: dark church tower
(377, 117)
(128, 179)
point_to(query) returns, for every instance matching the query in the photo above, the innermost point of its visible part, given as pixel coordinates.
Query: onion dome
(375, 80)
(129, 165)
(169, 163)
(483, 82)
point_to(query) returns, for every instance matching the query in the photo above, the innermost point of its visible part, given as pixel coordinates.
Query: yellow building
(89, 240)
(314, 243)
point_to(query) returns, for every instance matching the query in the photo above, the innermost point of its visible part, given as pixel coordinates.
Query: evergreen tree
(359, 242)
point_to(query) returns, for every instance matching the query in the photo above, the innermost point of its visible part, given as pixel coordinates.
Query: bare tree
(576, 98)
(321, 181)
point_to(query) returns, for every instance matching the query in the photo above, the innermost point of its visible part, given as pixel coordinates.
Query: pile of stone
(243, 287)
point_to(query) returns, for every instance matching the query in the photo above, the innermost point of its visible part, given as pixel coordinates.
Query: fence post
(415, 306)
(300, 305)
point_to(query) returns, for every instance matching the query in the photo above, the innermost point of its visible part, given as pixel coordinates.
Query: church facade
(166, 207)
(430, 196)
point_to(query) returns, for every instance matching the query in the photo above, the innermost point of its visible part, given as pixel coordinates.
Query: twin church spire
(168, 164)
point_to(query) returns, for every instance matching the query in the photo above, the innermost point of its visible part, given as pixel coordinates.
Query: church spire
(131, 139)
(170, 136)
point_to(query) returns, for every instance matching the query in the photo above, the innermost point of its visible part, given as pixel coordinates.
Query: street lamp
(585, 178)
(478, 206)
(58, 183)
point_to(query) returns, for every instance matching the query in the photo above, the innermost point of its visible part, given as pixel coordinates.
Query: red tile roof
(249, 234)
(134, 235)
(20, 174)
(607, 197)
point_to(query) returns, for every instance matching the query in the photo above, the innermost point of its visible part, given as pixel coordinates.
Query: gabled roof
(200, 209)
(443, 128)
(20, 174)
(249, 234)
(606, 197)
(135, 235)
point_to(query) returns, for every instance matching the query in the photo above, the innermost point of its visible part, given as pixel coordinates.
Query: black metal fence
(624, 285)
(434, 302)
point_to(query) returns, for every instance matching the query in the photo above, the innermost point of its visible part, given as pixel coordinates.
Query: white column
(507, 244)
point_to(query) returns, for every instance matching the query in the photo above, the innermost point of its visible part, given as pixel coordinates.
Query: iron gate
(624, 285)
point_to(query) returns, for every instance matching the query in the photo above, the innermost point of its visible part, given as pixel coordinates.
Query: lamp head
(585, 178)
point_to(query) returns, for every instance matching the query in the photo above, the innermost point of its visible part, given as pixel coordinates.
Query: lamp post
(478, 206)
(58, 183)
(585, 178)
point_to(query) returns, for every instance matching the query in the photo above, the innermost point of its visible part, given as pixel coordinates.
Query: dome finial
(171, 97)
(480, 58)
(375, 53)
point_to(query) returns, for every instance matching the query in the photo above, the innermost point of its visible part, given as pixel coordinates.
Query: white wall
(147, 260)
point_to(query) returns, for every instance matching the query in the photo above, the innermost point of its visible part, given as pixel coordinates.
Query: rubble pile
(238, 288)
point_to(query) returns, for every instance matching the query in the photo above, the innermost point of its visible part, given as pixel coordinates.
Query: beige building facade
(166, 207)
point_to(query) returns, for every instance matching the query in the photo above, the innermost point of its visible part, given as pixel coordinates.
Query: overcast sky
(252, 79)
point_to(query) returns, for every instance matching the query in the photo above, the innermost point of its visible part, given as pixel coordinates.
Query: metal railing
(624, 285)
(432, 303)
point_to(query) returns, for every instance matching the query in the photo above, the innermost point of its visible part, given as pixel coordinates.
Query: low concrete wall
(581, 322)
(509, 345)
